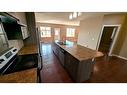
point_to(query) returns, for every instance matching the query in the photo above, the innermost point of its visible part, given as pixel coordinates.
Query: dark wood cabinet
(59, 52)
(61, 56)
(54, 48)
(71, 65)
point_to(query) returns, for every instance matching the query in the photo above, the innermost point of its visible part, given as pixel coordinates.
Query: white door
(56, 33)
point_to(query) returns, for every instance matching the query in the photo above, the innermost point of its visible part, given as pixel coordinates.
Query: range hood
(21, 24)
(5, 17)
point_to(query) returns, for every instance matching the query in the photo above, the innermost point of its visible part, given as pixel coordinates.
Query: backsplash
(16, 43)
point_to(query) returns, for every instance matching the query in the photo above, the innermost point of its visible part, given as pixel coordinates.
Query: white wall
(120, 48)
(90, 28)
(123, 50)
(89, 31)
(113, 19)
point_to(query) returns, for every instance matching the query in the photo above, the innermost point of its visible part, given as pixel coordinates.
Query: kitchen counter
(79, 52)
(31, 53)
(31, 49)
(76, 59)
(26, 76)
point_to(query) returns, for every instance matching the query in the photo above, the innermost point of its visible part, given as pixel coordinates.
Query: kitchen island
(76, 59)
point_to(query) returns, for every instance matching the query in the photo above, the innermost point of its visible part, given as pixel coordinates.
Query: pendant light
(74, 15)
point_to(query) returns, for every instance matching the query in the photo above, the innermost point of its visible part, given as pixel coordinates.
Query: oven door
(9, 66)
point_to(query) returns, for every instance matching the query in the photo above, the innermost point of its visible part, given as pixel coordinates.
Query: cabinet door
(67, 62)
(71, 64)
(55, 49)
(61, 56)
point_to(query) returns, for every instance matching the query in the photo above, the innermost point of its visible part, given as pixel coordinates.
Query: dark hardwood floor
(106, 69)
(52, 71)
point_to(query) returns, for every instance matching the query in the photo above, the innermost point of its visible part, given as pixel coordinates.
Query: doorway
(56, 33)
(108, 38)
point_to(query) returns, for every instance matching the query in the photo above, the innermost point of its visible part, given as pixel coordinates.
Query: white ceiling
(62, 17)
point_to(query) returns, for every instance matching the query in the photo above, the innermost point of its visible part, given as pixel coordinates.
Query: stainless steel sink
(62, 43)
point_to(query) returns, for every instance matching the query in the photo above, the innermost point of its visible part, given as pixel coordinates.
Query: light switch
(93, 39)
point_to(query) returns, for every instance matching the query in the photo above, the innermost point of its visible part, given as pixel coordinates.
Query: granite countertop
(26, 76)
(31, 49)
(79, 52)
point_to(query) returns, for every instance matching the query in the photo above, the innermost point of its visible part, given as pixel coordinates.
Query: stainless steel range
(11, 62)
(7, 57)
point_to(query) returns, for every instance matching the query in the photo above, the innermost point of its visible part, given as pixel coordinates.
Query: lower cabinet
(61, 56)
(54, 48)
(59, 52)
(79, 71)
(71, 65)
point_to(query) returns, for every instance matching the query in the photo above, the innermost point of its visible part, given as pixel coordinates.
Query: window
(70, 32)
(45, 31)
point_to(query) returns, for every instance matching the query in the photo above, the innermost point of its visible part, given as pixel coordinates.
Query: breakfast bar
(76, 59)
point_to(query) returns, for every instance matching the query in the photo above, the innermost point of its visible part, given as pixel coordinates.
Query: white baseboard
(119, 56)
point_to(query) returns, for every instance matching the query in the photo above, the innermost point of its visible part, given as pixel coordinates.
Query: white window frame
(45, 31)
(70, 32)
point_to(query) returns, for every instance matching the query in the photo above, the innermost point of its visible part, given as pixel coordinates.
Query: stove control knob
(1, 60)
(14, 50)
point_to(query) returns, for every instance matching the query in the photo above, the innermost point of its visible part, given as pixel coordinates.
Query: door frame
(59, 32)
(114, 40)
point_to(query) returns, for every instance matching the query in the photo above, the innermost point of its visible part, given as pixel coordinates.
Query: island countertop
(26, 76)
(79, 52)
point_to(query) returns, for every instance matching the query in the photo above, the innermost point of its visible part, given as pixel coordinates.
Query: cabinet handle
(62, 51)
